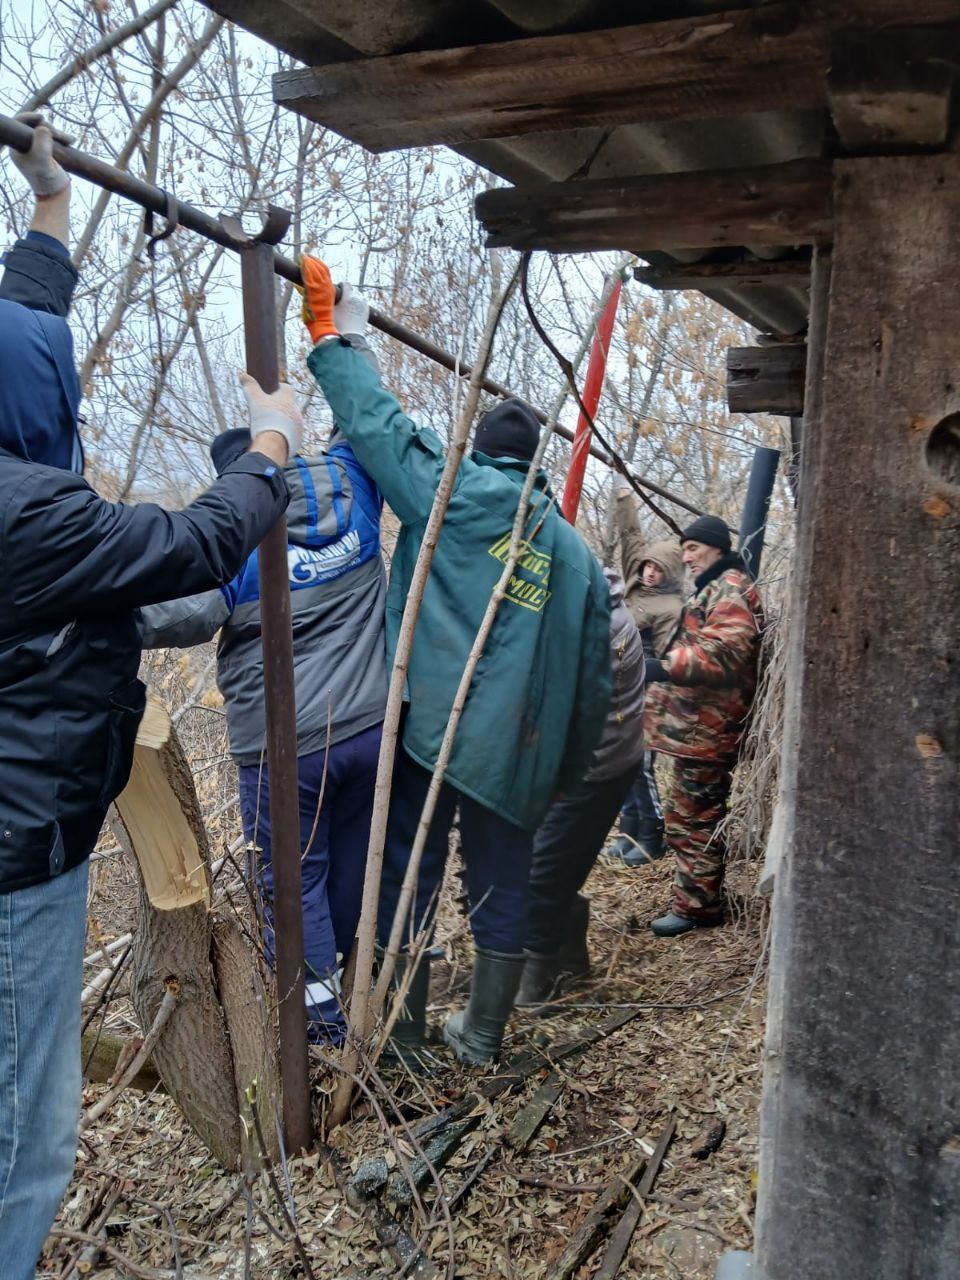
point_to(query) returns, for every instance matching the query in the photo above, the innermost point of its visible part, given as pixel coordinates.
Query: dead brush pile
(455, 1172)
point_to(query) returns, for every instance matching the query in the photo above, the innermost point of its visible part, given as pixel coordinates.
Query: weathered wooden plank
(893, 89)
(769, 204)
(860, 1148)
(747, 60)
(770, 57)
(766, 379)
(777, 274)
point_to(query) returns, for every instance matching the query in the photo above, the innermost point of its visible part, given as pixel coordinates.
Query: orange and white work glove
(46, 177)
(277, 411)
(319, 295)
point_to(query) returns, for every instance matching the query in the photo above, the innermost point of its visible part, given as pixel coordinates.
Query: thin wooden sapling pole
(361, 1011)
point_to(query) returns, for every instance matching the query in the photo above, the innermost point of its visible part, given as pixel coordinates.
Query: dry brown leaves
(175, 1208)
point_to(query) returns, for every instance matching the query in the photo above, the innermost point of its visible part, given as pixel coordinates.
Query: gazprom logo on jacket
(311, 565)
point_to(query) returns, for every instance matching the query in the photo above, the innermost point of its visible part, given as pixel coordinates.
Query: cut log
(767, 379)
(102, 1053)
(781, 204)
(219, 1036)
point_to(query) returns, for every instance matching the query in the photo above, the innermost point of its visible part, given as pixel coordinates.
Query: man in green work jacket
(538, 698)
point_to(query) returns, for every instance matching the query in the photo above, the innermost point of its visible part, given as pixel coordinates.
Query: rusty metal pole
(19, 136)
(263, 362)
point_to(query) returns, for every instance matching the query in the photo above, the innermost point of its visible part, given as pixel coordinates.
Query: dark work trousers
(642, 813)
(565, 848)
(333, 845)
(496, 856)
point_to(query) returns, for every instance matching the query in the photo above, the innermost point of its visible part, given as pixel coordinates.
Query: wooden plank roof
(532, 89)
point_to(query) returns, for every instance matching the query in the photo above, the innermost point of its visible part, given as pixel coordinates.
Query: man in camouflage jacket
(698, 701)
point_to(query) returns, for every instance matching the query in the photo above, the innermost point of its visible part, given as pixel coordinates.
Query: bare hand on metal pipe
(275, 413)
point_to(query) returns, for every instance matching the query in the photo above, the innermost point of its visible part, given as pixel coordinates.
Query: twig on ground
(167, 1005)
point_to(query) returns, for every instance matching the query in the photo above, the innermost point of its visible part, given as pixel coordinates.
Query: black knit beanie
(710, 530)
(509, 430)
(228, 447)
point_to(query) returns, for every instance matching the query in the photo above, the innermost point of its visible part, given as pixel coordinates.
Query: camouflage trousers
(696, 806)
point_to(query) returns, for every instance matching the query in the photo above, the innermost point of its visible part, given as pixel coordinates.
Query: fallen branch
(587, 1236)
(163, 1015)
(623, 1232)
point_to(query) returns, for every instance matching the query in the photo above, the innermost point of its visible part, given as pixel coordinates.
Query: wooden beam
(893, 89)
(788, 273)
(766, 379)
(747, 60)
(860, 1147)
(769, 57)
(772, 204)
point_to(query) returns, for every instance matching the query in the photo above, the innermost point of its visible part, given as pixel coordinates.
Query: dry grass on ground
(171, 1212)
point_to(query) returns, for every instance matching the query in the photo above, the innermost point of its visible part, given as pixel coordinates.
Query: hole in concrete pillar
(943, 449)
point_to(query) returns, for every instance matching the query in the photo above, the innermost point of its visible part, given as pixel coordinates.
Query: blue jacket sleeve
(66, 552)
(38, 274)
(404, 460)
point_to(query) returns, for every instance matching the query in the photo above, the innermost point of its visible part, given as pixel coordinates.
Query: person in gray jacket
(338, 592)
(570, 838)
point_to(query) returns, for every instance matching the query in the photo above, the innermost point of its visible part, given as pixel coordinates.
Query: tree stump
(221, 1035)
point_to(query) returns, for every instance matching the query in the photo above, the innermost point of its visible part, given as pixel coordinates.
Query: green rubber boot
(476, 1033)
(409, 1034)
(545, 977)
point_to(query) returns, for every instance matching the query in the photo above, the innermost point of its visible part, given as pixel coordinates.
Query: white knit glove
(277, 411)
(37, 165)
(352, 312)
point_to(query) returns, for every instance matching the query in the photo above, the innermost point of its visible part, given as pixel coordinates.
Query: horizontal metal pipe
(20, 136)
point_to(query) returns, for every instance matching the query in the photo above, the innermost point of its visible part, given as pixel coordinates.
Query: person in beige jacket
(653, 573)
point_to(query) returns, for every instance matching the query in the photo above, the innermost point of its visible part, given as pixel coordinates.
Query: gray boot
(476, 1033)
(545, 976)
(409, 1034)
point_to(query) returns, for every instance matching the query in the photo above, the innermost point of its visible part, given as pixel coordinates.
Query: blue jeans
(42, 931)
(496, 855)
(642, 813)
(333, 842)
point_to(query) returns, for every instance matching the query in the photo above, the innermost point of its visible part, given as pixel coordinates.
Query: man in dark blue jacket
(73, 571)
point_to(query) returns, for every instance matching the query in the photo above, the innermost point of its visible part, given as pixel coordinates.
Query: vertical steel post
(263, 362)
(756, 506)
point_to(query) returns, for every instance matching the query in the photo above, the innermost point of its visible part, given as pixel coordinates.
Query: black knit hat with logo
(710, 530)
(509, 430)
